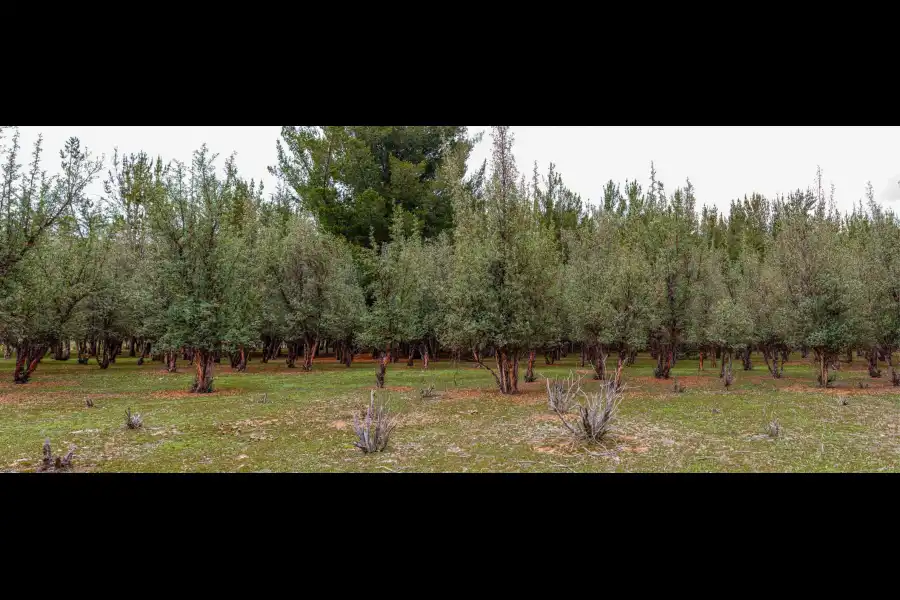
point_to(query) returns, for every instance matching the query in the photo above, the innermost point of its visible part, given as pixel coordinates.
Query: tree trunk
(895, 377)
(106, 352)
(598, 358)
(412, 353)
(423, 350)
(748, 364)
(171, 360)
(529, 373)
(28, 355)
(663, 363)
(581, 360)
(204, 363)
(132, 351)
(823, 365)
(514, 373)
(309, 353)
(291, 355)
(379, 372)
(872, 356)
(7, 351)
(241, 365)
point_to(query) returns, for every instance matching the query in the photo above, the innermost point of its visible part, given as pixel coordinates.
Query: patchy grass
(306, 423)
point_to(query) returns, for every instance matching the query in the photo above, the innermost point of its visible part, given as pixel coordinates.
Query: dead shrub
(55, 464)
(561, 393)
(375, 430)
(596, 412)
(133, 420)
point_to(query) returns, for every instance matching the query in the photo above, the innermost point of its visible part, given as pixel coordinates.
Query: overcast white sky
(722, 162)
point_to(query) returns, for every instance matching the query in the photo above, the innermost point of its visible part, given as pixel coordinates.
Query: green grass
(306, 425)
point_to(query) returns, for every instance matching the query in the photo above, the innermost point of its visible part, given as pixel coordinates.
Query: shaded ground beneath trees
(305, 422)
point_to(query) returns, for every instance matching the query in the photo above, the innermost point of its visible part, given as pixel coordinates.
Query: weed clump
(55, 464)
(133, 420)
(375, 430)
(596, 413)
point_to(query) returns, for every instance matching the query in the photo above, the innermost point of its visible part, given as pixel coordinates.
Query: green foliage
(352, 178)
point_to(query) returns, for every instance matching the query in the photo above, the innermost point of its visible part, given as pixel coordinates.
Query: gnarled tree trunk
(309, 352)
(203, 379)
(663, 363)
(28, 355)
(823, 365)
(292, 349)
(770, 355)
(171, 359)
(747, 355)
(599, 354)
(872, 356)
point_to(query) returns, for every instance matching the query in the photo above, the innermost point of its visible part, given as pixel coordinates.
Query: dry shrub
(375, 430)
(427, 391)
(133, 420)
(55, 464)
(561, 393)
(596, 412)
(773, 428)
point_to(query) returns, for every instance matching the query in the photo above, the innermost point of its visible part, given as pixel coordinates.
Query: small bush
(133, 421)
(375, 431)
(677, 387)
(561, 393)
(596, 413)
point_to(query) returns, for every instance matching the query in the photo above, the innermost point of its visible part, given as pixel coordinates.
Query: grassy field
(306, 423)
